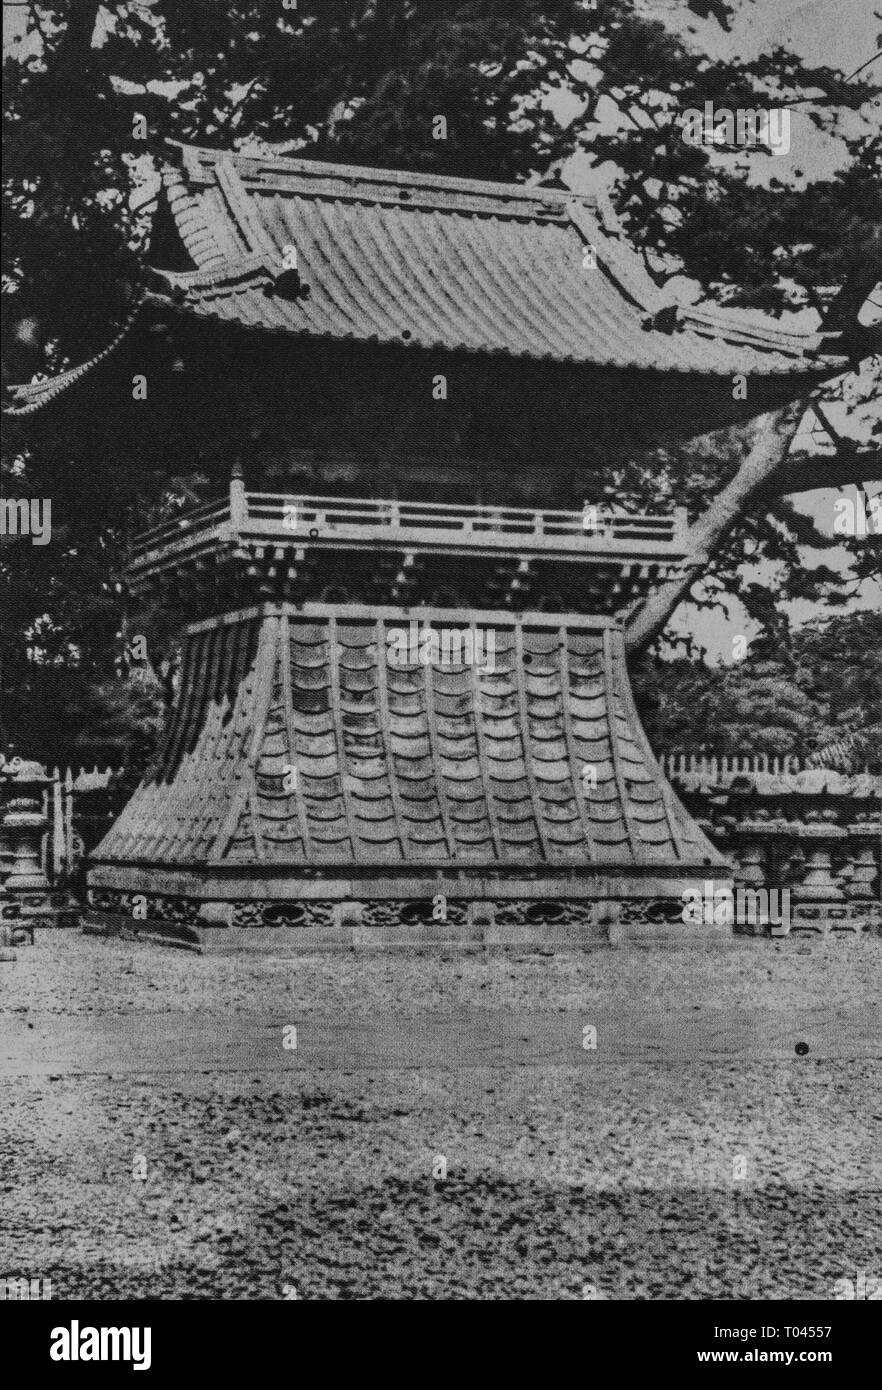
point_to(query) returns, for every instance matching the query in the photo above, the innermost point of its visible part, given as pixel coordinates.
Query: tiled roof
(426, 261)
(435, 262)
(301, 740)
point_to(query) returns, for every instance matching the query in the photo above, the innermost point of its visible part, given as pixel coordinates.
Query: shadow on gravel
(495, 1239)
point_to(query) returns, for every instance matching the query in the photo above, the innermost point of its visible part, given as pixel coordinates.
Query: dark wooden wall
(359, 419)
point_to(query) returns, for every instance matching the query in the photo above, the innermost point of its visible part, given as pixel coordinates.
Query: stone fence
(812, 831)
(48, 822)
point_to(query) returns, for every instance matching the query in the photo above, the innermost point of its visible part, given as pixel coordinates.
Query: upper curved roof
(436, 262)
(426, 261)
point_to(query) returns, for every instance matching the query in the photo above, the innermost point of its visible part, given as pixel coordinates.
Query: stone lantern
(817, 896)
(24, 822)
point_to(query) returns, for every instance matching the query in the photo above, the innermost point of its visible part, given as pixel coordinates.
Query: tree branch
(772, 435)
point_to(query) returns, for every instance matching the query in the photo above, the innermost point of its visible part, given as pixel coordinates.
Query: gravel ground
(72, 974)
(637, 1179)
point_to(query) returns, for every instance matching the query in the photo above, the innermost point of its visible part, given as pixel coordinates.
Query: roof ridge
(194, 156)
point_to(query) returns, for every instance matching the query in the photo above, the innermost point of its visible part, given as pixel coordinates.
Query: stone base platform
(346, 933)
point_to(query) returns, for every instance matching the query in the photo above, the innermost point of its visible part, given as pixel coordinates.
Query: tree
(812, 690)
(364, 82)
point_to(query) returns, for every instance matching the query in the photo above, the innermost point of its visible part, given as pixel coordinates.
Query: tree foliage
(362, 81)
(796, 693)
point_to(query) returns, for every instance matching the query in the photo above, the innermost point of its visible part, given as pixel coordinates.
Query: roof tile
(433, 262)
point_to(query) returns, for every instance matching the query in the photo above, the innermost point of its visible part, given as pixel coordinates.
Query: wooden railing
(287, 516)
(196, 519)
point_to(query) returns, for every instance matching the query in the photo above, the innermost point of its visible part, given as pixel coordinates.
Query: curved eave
(240, 297)
(532, 274)
(232, 303)
(33, 396)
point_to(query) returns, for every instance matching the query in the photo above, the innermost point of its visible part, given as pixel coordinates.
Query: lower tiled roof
(305, 739)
